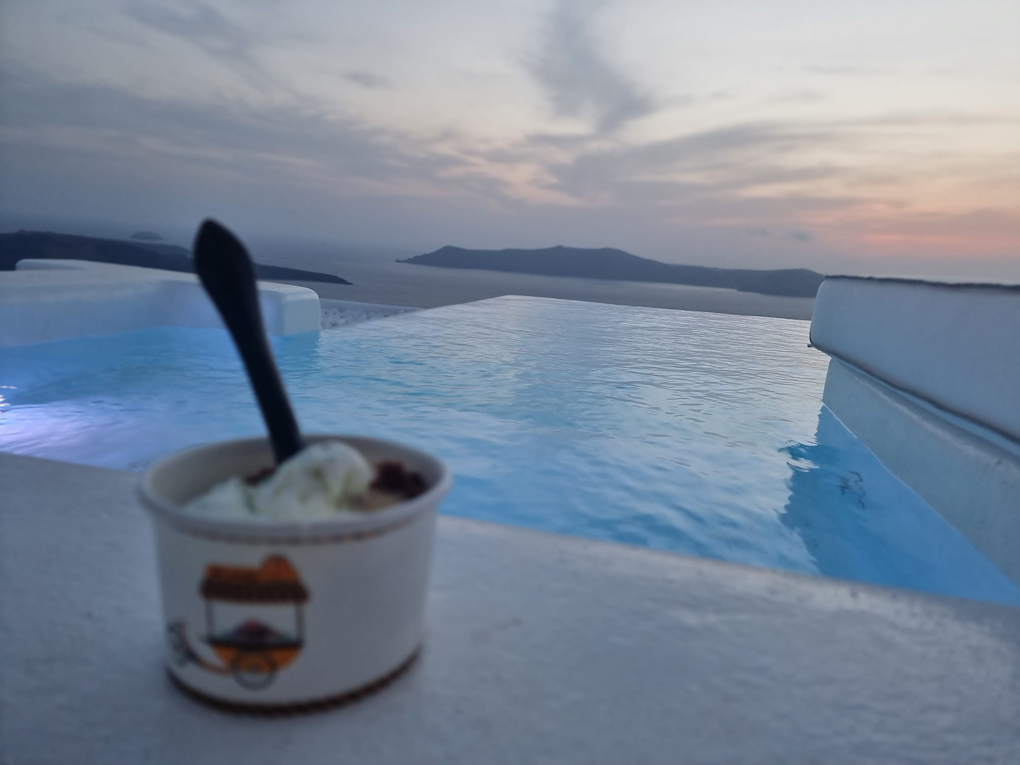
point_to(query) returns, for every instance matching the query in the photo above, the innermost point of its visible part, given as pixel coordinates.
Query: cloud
(754, 189)
(928, 119)
(797, 96)
(795, 235)
(721, 160)
(578, 79)
(113, 154)
(294, 147)
(203, 26)
(222, 39)
(369, 80)
(798, 236)
(846, 70)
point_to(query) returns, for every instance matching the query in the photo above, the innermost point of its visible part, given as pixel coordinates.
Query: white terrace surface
(539, 649)
(56, 299)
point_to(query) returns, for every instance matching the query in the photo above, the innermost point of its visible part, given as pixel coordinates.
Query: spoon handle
(226, 271)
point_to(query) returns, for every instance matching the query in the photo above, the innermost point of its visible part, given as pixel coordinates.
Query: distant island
(47, 245)
(617, 265)
(146, 236)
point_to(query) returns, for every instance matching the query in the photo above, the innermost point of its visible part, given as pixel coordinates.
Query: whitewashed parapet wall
(58, 299)
(927, 375)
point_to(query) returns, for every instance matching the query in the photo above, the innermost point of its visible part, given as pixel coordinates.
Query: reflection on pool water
(690, 432)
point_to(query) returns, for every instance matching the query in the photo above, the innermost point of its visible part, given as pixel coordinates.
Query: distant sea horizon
(378, 280)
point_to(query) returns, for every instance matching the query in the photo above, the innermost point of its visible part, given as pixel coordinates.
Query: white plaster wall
(927, 376)
(957, 346)
(47, 300)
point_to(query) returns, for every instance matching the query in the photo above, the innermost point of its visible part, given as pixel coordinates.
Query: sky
(873, 137)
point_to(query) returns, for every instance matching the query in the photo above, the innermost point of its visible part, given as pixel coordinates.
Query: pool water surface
(689, 432)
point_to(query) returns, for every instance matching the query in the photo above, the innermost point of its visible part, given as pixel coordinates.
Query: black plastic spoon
(226, 271)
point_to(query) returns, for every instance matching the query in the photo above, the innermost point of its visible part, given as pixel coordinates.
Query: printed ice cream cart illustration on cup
(251, 651)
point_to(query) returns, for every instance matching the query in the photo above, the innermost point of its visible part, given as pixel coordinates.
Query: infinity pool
(690, 432)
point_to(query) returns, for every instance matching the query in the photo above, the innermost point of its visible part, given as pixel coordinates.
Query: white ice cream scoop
(320, 481)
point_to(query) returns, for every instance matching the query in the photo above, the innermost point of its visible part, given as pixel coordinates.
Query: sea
(378, 277)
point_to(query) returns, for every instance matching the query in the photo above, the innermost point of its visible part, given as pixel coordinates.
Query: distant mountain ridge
(50, 246)
(617, 265)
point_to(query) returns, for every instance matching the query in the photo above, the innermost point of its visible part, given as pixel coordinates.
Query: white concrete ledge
(956, 346)
(540, 649)
(47, 300)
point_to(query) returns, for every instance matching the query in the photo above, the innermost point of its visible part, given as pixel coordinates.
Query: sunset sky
(867, 137)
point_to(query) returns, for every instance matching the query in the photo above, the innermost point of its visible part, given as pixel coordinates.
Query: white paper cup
(289, 616)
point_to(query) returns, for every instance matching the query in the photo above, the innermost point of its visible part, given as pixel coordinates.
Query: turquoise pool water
(690, 432)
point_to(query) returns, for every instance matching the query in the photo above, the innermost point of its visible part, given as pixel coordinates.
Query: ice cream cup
(277, 617)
